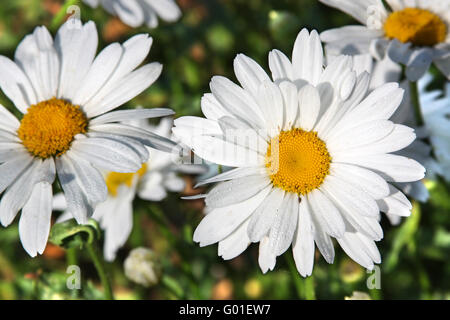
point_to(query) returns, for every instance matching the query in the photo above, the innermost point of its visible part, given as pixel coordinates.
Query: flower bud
(142, 267)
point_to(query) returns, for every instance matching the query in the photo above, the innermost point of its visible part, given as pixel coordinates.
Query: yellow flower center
(48, 128)
(297, 161)
(115, 179)
(418, 26)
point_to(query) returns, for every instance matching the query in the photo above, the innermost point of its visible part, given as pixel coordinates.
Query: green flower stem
(99, 265)
(297, 281)
(71, 256)
(72, 259)
(414, 93)
(59, 17)
(310, 293)
(304, 287)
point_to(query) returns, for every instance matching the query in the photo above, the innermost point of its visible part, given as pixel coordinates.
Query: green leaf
(69, 234)
(439, 194)
(404, 236)
(172, 286)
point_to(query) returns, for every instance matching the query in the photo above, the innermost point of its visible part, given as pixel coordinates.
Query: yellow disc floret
(48, 128)
(115, 179)
(297, 161)
(418, 26)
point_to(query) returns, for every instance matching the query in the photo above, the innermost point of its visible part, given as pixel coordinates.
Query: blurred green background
(202, 44)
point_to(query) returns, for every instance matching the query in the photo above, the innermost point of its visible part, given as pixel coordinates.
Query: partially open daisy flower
(68, 128)
(420, 150)
(138, 12)
(435, 106)
(313, 160)
(436, 112)
(151, 182)
(413, 33)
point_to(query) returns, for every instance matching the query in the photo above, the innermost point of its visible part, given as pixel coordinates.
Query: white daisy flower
(414, 33)
(436, 112)
(138, 12)
(435, 109)
(435, 106)
(387, 71)
(68, 128)
(313, 159)
(151, 182)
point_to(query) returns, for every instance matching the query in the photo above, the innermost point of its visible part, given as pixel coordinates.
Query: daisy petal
(303, 244)
(344, 34)
(10, 170)
(361, 178)
(117, 226)
(419, 62)
(249, 73)
(309, 103)
(174, 183)
(134, 52)
(271, 103)
(357, 9)
(126, 89)
(284, 225)
(59, 203)
(396, 203)
(7, 120)
(76, 47)
(221, 222)
(263, 217)
(143, 136)
(351, 197)
(236, 100)
(166, 9)
(400, 137)
(280, 66)
(354, 137)
(88, 178)
(11, 150)
(108, 154)
(135, 114)
(34, 224)
(416, 190)
(77, 202)
(133, 144)
(129, 11)
(290, 99)
(212, 108)
(37, 57)
(444, 66)
(379, 104)
(356, 218)
(323, 241)
(16, 86)
(101, 70)
(236, 190)
(151, 187)
(356, 249)
(224, 152)
(266, 258)
(307, 57)
(17, 194)
(232, 174)
(391, 167)
(326, 213)
(233, 245)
